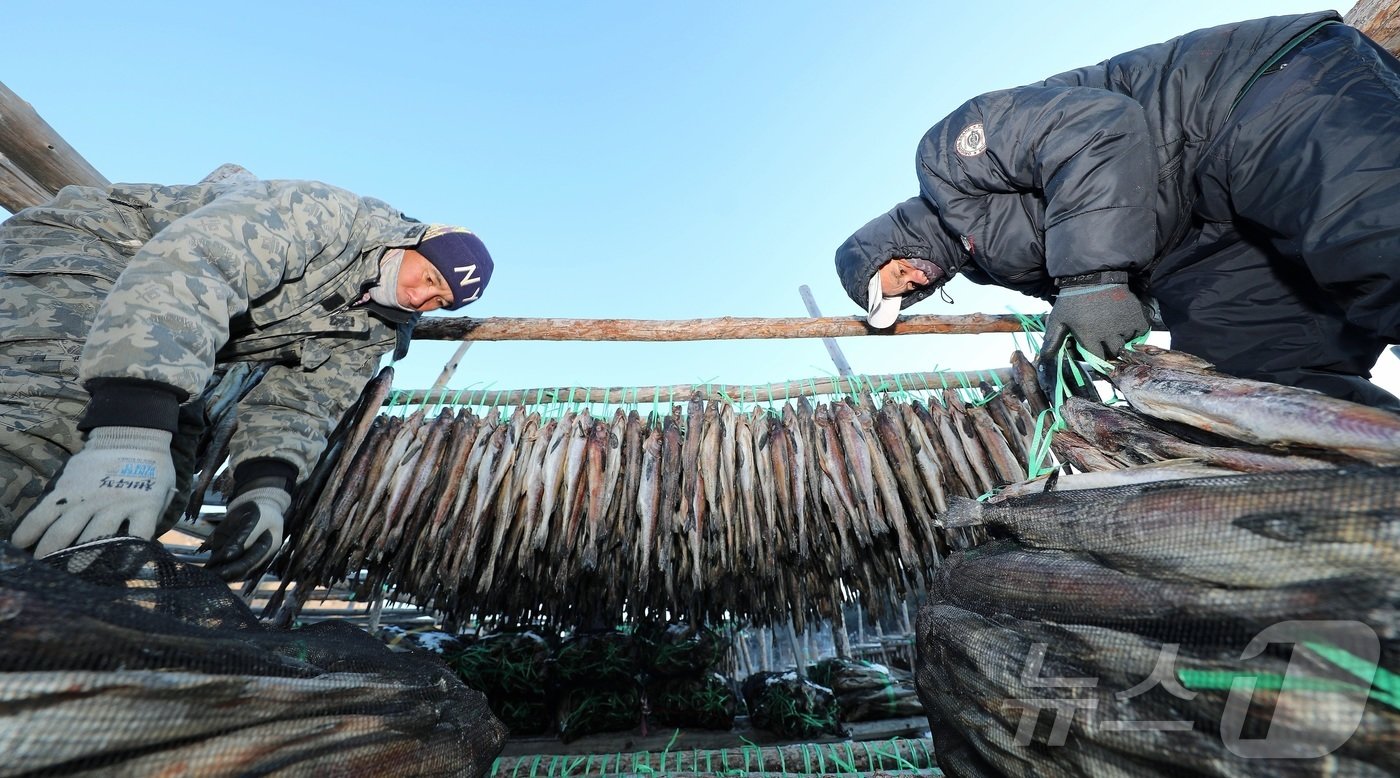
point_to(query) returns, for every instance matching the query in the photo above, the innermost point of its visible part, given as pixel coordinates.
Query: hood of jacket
(909, 230)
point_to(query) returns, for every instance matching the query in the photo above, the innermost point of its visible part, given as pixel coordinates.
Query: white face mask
(386, 292)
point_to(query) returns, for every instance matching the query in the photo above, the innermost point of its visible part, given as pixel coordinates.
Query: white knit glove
(118, 484)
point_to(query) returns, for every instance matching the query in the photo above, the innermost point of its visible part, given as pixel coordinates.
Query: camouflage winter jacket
(236, 271)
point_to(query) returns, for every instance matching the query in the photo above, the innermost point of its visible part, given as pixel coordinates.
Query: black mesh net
(789, 706)
(1241, 625)
(866, 691)
(115, 658)
(703, 701)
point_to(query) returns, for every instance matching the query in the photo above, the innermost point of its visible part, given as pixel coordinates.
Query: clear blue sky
(662, 160)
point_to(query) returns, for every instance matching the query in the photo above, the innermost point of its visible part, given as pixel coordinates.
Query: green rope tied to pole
(750, 750)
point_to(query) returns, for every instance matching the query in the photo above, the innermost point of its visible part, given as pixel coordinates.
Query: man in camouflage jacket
(117, 305)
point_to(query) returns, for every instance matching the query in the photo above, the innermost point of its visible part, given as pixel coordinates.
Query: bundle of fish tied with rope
(1186, 605)
(771, 514)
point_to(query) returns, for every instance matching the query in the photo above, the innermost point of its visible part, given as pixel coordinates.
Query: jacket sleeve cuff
(128, 402)
(1093, 279)
(265, 471)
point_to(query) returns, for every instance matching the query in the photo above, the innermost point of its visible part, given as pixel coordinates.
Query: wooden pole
(841, 640)
(451, 367)
(17, 189)
(833, 349)
(799, 658)
(1379, 20)
(32, 146)
(376, 611)
(723, 328)
(882, 757)
(681, 392)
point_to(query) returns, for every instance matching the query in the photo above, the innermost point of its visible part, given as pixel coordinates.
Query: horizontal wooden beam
(33, 147)
(724, 328)
(682, 392)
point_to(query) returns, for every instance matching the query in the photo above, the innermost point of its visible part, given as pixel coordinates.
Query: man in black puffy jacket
(1246, 177)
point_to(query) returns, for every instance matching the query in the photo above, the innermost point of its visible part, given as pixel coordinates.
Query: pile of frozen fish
(1194, 606)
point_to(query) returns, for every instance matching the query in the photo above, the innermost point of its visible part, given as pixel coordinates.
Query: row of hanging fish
(761, 515)
(707, 510)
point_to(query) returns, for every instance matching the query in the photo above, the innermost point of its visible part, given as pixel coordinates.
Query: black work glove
(249, 534)
(1102, 314)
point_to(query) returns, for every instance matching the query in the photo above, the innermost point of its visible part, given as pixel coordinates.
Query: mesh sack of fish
(587, 710)
(515, 672)
(789, 706)
(596, 658)
(118, 659)
(702, 701)
(680, 649)
(1216, 592)
(532, 715)
(867, 691)
(775, 513)
(506, 662)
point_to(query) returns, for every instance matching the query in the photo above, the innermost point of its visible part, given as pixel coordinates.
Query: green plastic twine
(903, 394)
(1040, 444)
(996, 380)
(1385, 685)
(748, 751)
(1032, 330)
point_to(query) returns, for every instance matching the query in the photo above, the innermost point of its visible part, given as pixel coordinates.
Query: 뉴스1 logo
(971, 141)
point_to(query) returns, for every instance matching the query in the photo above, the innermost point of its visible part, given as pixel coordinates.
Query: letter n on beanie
(462, 259)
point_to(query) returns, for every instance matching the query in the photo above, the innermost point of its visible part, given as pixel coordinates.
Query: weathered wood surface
(723, 328)
(17, 189)
(33, 148)
(807, 387)
(871, 745)
(1380, 20)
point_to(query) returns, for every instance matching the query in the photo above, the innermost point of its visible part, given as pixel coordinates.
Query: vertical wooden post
(839, 636)
(799, 658)
(451, 366)
(833, 349)
(741, 643)
(376, 610)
